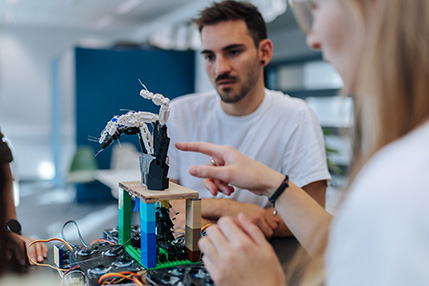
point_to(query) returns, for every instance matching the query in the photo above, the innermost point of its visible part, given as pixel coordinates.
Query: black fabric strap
(284, 185)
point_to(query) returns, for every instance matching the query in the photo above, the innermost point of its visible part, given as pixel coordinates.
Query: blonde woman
(380, 235)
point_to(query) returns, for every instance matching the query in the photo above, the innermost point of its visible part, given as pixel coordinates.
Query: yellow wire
(131, 276)
(165, 204)
(46, 240)
(205, 227)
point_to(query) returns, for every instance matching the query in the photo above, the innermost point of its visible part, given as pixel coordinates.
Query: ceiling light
(127, 6)
(46, 170)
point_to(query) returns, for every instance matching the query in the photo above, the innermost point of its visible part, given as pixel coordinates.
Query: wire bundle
(46, 240)
(116, 278)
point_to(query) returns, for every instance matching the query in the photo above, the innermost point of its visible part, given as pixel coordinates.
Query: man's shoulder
(284, 101)
(195, 99)
(195, 106)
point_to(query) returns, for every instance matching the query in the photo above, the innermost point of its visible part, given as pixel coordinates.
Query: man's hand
(180, 221)
(214, 209)
(38, 251)
(261, 217)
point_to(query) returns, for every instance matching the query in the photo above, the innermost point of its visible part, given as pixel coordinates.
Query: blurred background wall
(38, 45)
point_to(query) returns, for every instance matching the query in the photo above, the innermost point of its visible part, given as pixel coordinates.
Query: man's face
(231, 59)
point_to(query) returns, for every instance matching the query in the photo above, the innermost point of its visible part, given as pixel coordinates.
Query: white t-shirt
(283, 133)
(381, 233)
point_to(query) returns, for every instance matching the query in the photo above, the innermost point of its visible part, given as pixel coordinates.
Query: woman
(380, 236)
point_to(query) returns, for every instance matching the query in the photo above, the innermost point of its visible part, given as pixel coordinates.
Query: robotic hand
(154, 160)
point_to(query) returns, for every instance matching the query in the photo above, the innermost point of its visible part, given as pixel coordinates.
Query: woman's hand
(232, 168)
(233, 249)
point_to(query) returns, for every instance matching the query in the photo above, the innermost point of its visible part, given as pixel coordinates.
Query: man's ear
(265, 51)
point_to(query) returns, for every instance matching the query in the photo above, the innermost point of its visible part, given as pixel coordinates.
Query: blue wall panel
(107, 81)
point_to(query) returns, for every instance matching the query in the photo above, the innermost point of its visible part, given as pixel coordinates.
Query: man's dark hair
(230, 10)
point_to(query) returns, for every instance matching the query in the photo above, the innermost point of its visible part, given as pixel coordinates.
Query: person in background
(269, 126)
(14, 244)
(380, 235)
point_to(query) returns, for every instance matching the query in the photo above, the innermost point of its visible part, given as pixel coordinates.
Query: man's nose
(222, 66)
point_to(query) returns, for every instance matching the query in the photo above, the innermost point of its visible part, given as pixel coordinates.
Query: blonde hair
(392, 89)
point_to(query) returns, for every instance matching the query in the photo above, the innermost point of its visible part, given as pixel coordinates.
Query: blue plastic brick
(147, 226)
(147, 212)
(148, 249)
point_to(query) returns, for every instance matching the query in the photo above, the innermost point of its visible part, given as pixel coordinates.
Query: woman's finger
(207, 247)
(214, 172)
(209, 149)
(223, 187)
(209, 184)
(217, 237)
(251, 230)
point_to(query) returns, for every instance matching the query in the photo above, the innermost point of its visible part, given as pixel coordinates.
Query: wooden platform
(174, 192)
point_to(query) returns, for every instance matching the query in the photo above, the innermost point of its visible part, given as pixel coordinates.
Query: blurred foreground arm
(234, 249)
(38, 252)
(301, 213)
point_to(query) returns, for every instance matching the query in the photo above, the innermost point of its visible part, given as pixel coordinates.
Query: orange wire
(46, 240)
(131, 276)
(70, 269)
(205, 227)
(102, 240)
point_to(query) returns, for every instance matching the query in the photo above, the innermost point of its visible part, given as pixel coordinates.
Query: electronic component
(183, 275)
(99, 259)
(58, 256)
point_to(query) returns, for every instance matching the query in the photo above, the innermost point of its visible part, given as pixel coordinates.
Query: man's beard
(228, 95)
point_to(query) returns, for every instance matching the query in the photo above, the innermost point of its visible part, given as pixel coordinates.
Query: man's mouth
(225, 82)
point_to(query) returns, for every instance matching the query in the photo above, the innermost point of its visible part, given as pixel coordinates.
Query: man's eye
(234, 53)
(208, 57)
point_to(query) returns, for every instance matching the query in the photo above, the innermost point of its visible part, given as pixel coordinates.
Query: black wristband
(14, 226)
(284, 185)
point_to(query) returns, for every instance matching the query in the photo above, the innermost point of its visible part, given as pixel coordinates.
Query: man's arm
(272, 226)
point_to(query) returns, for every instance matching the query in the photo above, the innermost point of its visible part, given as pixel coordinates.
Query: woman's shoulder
(396, 173)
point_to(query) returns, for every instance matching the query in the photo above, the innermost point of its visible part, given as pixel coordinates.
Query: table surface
(112, 177)
(284, 247)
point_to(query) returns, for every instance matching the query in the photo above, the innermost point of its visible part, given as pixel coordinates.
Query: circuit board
(98, 260)
(106, 256)
(183, 275)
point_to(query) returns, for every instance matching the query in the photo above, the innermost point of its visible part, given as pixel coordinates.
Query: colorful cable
(205, 227)
(112, 278)
(46, 240)
(101, 240)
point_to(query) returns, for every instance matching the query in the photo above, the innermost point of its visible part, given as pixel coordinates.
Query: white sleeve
(380, 236)
(305, 157)
(173, 153)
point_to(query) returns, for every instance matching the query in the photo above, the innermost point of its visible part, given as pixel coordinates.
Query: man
(243, 114)
(38, 251)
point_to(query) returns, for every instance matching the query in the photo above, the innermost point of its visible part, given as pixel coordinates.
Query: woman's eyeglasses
(303, 11)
